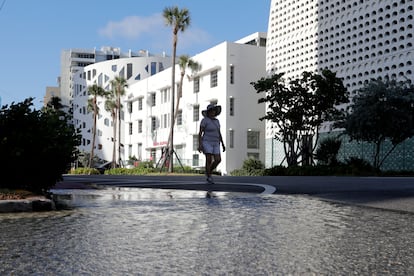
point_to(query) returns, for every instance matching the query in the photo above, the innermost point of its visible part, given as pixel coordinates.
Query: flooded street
(129, 231)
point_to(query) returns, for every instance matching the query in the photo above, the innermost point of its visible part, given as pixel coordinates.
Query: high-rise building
(359, 40)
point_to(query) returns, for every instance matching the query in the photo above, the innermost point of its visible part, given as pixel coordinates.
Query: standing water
(123, 231)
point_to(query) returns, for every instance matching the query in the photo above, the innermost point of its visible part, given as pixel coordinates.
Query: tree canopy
(298, 108)
(381, 111)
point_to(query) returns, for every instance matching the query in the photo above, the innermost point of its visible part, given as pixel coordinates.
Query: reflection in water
(131, 232)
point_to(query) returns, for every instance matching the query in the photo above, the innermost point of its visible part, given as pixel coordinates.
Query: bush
(251, 167)
(37, 146)
(327, 152)
(82, 170)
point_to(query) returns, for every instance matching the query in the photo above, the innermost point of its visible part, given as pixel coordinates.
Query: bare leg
(209, 158)
(217, 160)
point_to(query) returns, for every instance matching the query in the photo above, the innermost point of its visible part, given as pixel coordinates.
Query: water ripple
(165, 232)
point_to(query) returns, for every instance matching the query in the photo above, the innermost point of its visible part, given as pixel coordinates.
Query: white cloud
(153, 31)
(133, 27)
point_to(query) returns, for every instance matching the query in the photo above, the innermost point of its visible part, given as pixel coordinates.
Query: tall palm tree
(184, 62)
(111, 107)
(95, 91)
(179, 20)
(118, 87)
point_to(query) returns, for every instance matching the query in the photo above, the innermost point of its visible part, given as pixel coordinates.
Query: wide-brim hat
(217, 108)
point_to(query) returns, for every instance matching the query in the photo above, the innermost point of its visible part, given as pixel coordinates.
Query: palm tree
(111, 107)
(184, 62)
(179, 20)
(95, 91)
(118, 87)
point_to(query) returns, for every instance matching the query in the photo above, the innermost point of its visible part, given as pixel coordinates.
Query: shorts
(211, 147)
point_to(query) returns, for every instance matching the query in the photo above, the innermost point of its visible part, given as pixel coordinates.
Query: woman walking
(209, 139)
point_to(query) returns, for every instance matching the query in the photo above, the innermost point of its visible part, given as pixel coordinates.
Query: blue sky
(33, 33)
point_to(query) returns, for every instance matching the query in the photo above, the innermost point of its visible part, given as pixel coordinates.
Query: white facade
(225, 76)
(359, 40)
(73, 61)
(133, 69)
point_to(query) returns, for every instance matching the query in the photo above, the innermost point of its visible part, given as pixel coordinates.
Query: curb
(27, 205)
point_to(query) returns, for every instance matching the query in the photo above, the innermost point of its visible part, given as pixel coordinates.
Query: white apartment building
(359, 40)
(133, 69)
(225, 76)
(73, 61)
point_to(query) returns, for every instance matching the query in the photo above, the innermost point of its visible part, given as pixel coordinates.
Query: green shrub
(37, 146)
(81, 170)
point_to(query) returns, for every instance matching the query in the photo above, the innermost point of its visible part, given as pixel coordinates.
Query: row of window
(165, 94)
(164, 121)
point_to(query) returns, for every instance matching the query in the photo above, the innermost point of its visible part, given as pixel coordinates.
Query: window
(231, 74)
(179, 117)
(196, 84)
(139, 126)
(139, 155)
(253, 139)
(153, 68)
(196, 113)
(231, 137)
(213, 78)
(165, 123)
(129, 150)
(165, 95)
(140, 103)
(231, 106)
(153, 124)
(129, 70)
(152, 99)
(130, 128)
(195, 142)
(129, 107)
(195, 160)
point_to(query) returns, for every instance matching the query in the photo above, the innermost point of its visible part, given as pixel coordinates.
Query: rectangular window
(179, 117)
(253, 139)
(195, 160)
(213, 78)
(165, 93)
(139, 153)
(153, 68)
(231, 137)
(130, 128)
(129, 150)
(153, 123)
(231, 106)
(196, 84)
(165, 120)
(195, 142)
(140, 103)
(139, 126)
(196, 113)
(129, 70)
(152, 99)
(129, 107)
(231, 74)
